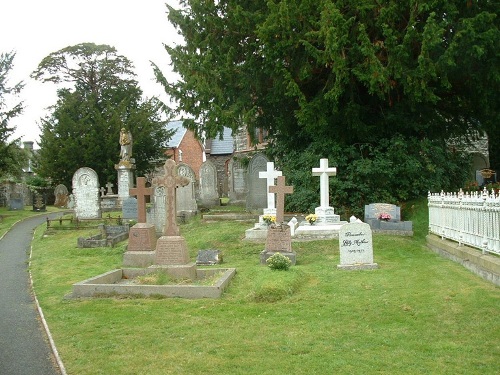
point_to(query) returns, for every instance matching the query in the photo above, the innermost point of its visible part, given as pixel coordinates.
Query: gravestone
(109, 187)
(129, 208)
(208, 257)
(86, 194)
(208, 184)
(237, 181)
(356, 247)
(279, 238)
(16, 202)
(171, 248)
(325, 213)
(186, 198)
(71, 201)
(61, 196)
(393, 225)
(39, 201)
(257, 187)
(159, 211)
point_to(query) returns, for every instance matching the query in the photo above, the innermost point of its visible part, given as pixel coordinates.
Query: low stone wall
(486, 266)
(110, 235)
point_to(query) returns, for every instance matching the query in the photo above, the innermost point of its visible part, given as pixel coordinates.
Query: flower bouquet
(269, 219)
(384, 217)
(311, 218)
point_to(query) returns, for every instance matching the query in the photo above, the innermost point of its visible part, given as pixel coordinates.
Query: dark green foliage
(84, 127)
(12, 158)
(392, 170)
(375, 86)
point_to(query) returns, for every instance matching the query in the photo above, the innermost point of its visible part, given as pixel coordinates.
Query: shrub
(278, 261)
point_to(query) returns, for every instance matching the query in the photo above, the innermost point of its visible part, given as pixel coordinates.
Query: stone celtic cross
(280, 189)
(171, 180)
(324, 172)
(109, 185)
(141, 192)
(270, 175)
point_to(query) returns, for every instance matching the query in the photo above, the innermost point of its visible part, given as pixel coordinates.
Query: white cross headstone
(270, 175)
(324, 172)
(326, 214)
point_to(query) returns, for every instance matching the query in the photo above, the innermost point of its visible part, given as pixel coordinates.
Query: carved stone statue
(126, 145)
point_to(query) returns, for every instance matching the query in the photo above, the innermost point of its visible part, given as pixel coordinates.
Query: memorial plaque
(279, 239)
(171, 250)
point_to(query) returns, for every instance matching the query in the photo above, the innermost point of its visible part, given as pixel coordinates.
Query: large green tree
(100, 98)
(12, 158)
(376, 86)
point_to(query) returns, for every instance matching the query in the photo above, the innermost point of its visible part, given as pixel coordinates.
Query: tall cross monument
(326, 214)
(270, 175)
(171, 248)
(280, 189)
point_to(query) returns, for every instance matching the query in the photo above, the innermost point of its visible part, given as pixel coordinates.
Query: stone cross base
(142, 237)
(326, 216)
(264, 255)
(138, 259)
(270, 211)
(354, 267)
(279, 239)
(171, 250)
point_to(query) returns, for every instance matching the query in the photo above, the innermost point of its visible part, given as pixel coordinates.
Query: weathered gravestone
(86, 194)
(142, 236)
(208, 257)
(185, 195)
(61, 196)
(237, 181)
(279, 239)
(129, 208)
(356, 247)
(39, 201)
(208, 184)
(159, 208)
(171, 248)
(16, 202)
(387, 217)
(257, 187)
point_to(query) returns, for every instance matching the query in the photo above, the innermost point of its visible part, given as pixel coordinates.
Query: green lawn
(417, 314)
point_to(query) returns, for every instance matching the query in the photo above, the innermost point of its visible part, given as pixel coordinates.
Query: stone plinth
(279, 240)
(326, 216)
(142, 237)
(171, 250)
(125, 180)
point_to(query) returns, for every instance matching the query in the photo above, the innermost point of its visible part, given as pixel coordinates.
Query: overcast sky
(35, 28)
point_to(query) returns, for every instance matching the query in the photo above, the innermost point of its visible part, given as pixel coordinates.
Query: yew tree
(12, 158)
(98, 97)
(378, 87)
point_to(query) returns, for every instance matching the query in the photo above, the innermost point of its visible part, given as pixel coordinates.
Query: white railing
(469, 219)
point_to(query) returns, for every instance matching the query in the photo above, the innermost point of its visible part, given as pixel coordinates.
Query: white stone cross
(324, 172)
(270, 175)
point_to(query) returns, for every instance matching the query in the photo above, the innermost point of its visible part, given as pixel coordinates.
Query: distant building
(185, 148)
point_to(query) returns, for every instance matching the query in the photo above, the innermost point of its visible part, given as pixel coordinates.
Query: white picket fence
(469, 219)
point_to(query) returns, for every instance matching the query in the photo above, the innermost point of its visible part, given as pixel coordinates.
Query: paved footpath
(24, 346)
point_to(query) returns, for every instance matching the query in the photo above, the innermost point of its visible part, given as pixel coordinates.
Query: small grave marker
(356, 247)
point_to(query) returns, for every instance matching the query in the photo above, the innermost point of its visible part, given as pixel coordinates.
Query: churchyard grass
(9, 218)
(418, 313)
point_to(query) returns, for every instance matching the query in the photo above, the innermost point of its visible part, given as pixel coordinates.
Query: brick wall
(192, 152)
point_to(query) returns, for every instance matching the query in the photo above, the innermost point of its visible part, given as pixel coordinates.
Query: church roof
(223, 146)
(180, 131)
